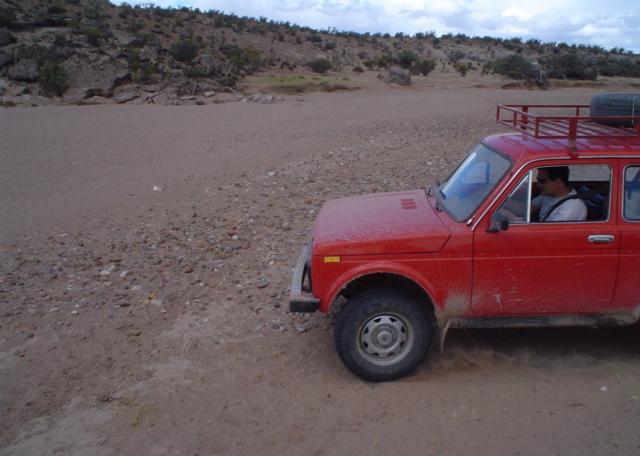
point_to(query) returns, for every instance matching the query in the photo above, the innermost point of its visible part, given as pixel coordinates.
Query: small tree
(424, 66)
(406, 58)
(461, 68)
(515, 67)
(53, 79)
(320, 65)
(184, 51)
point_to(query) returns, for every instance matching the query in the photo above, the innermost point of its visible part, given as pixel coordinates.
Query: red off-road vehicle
(474, 252)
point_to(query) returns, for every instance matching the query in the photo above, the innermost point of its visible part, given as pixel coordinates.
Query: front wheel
(382, 334)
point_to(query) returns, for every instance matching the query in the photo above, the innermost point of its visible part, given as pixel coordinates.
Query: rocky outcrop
(99, 77)
(24, 70)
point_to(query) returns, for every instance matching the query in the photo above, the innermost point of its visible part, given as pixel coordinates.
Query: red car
(535, 228)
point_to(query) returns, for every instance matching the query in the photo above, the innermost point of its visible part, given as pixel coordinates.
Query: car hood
(380, 223)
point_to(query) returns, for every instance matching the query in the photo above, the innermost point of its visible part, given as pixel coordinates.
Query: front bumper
(301, 298)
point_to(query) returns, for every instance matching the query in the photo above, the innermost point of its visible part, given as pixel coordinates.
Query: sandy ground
(142, 321)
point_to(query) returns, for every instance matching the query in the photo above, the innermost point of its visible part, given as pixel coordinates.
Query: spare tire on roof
(616, 104)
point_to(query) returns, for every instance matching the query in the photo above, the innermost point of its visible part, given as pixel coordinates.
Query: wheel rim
(385, 339)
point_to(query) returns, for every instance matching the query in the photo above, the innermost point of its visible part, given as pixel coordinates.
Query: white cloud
(614, 23)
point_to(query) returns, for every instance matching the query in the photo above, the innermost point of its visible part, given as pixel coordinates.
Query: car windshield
(472, 181)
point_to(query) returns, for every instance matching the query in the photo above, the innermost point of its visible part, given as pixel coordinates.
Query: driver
(558, 201)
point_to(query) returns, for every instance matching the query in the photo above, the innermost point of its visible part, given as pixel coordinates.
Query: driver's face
(543, 182)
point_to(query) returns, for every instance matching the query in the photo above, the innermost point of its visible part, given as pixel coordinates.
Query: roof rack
(520, 117)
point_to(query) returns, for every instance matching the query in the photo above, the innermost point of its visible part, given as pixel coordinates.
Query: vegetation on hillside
(197, 44)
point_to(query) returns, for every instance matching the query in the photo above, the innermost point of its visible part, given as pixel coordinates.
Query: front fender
(426, 275)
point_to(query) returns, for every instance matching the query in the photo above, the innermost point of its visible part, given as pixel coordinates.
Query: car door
(627, 293)
(548, 268)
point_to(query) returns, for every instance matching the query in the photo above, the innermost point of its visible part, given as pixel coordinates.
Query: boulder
(125, 96)
(24, 70)
(95, 78)
(126, 39)
(148, 54)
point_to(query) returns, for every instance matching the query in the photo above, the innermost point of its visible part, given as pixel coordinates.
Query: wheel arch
(393, 278)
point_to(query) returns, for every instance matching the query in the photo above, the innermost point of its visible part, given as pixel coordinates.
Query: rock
(187, 98)
(156, 302)
(148, 53)
(126, 39)
(5, 59)
(40, 53)
(109, 270)
(152, 88)
(209, 93)
(262, 283)
(95, 78)
(95, 100)
(24, 70)
(302, 327)
(125, 96)
(262, 98)
(398, 76)
(6, 37)
(157, 189)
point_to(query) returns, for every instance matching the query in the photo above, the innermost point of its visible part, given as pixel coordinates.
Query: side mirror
(499, 222)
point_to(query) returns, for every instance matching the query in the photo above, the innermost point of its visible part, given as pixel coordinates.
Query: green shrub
(184, 51)
(461, 68)
(515, 67)
(571, 65)
(314, 38)
(242, 59)
(320, 65)
(53, 79)
(424, 66)
(406, 58)
(94, 35)
(382, 61)
(455, 56)
(7, 17)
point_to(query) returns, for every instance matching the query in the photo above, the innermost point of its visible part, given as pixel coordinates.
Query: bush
(455, 56)
(53, 79)
(424, 66)
(184, 51)
(571, 65)
(242, 59)
(461, 68)
(94, 35)
(7, 16)
(406, 58)
(320, 65)
(515, 67)
(382, 61)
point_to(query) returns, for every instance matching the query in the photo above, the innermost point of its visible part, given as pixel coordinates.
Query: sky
(613, 23)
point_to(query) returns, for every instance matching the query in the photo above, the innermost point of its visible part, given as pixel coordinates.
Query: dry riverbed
(145, 259)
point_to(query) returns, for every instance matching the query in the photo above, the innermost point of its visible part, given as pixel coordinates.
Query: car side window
(563, 193)
(632, 193)
(516, 206)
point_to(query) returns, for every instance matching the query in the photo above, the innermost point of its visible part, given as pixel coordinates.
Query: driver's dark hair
(558, 172)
